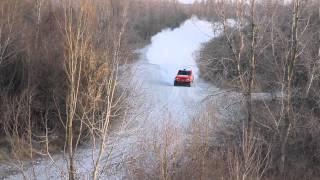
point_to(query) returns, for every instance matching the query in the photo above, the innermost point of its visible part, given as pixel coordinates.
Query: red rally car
(184, 77)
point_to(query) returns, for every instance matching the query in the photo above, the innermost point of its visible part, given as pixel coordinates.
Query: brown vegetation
(59, 64)
(273, 48)
(59, 69)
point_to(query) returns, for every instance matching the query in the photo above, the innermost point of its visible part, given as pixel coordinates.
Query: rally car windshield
(187, 73)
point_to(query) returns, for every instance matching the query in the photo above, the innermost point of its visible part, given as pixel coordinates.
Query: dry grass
(207, 152)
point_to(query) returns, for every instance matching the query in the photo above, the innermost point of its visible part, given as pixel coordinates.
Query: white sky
(187, 1)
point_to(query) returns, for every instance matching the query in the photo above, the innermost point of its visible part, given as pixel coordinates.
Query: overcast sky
(187, 1)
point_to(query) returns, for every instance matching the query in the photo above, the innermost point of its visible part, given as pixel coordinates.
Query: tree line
(59, 70)
(273, 47)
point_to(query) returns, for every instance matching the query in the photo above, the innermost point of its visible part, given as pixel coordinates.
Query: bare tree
(240, 35)
(78, 52)
(111, 84)
(287, 86)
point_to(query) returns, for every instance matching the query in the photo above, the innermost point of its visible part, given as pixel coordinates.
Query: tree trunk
(289, 117)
